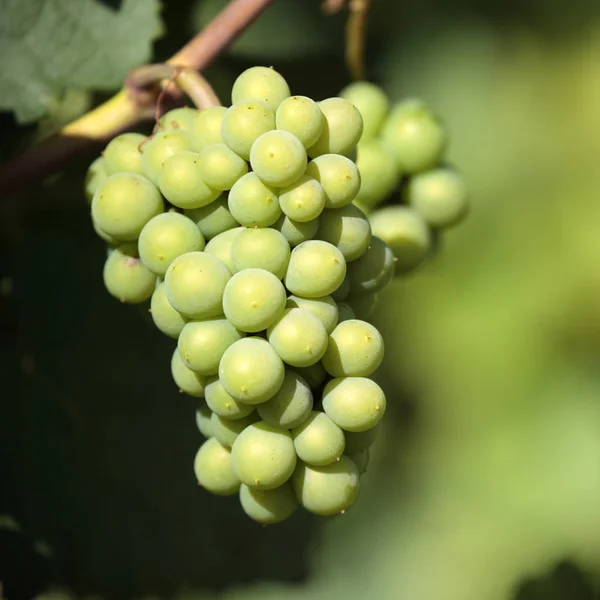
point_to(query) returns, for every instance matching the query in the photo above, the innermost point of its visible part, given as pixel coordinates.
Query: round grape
(165, 317)
(244, 122)
(314, 375)
(125, 276)
(253, 203)
(295, 232)
(213, 469)
(261, 248)
(345, 312)
(268, 506)
(318, 441)
(361, 440)
(302, 201)
(372, 103)
(363, 306)
(221, 167)
(206, 127)
(161, 147)
(302, 117)
(123, 155)
(338, 176)
(373, 270)
(347, 229)
(94, 178)
(227, 430)
(178, 118)
(290, 406)
(361, 460)
(342, 292)
(220, 246)
(109, 239)
(203, 420)
(214, 218)
(325, 309)
(260, 83)
(185, 379)
(278, 158)
(222, 404)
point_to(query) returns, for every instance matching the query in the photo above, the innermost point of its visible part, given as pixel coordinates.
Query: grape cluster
(400, 157)
(243, 226)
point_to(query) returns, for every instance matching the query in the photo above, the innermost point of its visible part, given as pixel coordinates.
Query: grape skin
(221, 167)
(123, 155)
(212, 219)
(278, 158)
(261, 248)
(177, 119)
(226, 431)
(94, 177)
(314, 375)
(362, 440)
(302, 117)
(165, 317)
(361, 460)
(185, 379)
(126, 278)
(374, 269)
(220, 246)
(325, 309)
(338, 176)
(295, 232)
(268, 506)
(206, 127)
(302, 201)
(347, 229)
(290, 406)
(161, 147)
(260, 83)
(363, 306)
(253, 203)
(345, 312)
(222, 404)
(318, 440)
(372, 103)
(203, 420)
(213, 469)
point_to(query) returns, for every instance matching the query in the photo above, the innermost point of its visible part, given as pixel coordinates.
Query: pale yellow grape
(94, 177)
(220, 246)
(318, 440)
(220, 166)
(195, 283)
(206, 127)
(261, 248)
(268, 506)
(374, 269)
(123, 155)
(203, 420)
(278, 158)
(364, 305)
(361, 440)
(213, 469)
(314, 375)
(227, 430)
(338, 176)
(355, 348)
(263, 456)
(316, 269)
(165, 317)
(201, 344)
(161, 147)
(372, 103)
(214, 218)
(251, 371)
(253, 203)
(244, 122)
(222, 404)
(295, 232)
(302, 201)
(185, 379)
(345, 312)
(354, 403)
(260, 83)
(325, 309)
(290, 406)
(177, 119)
(347, 228)
(302, 117)
(125, 276)
(361, 460)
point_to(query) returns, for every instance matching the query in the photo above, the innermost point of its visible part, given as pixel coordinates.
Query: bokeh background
(485, 484)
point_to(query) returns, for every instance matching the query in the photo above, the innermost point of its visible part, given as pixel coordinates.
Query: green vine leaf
(48, 46)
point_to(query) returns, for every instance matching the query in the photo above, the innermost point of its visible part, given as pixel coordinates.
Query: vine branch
(124, 110)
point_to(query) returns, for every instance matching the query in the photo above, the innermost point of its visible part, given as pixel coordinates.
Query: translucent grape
(347, 229)
(222, 404)
(355, 349)
(206, 127)
(95, 176)
(290, 406)
(214, 218)
(372, 103)
(263, 456)
(316, 269)
(124, 203)
(342, 128)
(161, 147)
(439, 196)
(202, 344)
(278, 158)
(213, 469)
(314, 375)
(126, 278)
(185, 379)
(220, 166)
(360, 440)
(178, 118)
(123, 155)
(268, 506)
(227, 430)
(345, 312)
(221, 245)
(194, 284)
(261, 248)
(361, 460)
(363, 305)
(251, 371)
(318, 440)
(325, 309)
(253, 299)
(328, 490)
(338, 176)
(295, 232)
(181, 181)
(165, 237)
(405, 232)
(165, 317)
(253, 203)
(302, 117)
(373, 270)
(302, 201)
(244, 123)
(298, 337)
(416, 136)
(260, 83)
(203, 420)
(354, 403)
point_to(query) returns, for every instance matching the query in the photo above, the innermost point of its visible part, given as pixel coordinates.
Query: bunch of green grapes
(400, 158)
(238, 224)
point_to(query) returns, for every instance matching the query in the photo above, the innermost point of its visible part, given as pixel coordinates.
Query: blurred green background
(485, 484)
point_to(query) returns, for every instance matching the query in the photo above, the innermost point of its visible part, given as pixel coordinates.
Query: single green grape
(195, 283)
(325, 309)
(342, 292)
(125, 276)
(161, 147)
(302, 201)
(263, 456)
(416, 137)
(185, 379)
(251, 371)
(124, 203)
(364, 305)
(227, 430)
(220, 166)
(253, 300)
(203, 420)
(213, 469)
(253, 203)
(302, 117)
(355, 348)
(298, 337)
(403, 229)
(261, 248)
(295, 232)
(212, 219)
(201, 344)
(244, 122)
(318, 440)
(345, 312)
(354, 403)
(206, 127)
(260, 83)
(374, 269)
(314, 375)
(338, 176)
(165, 237)
(439, 196)
(268, 506)
(278, 158)
(348, 229)
(372, 103)
(360, 440)
(123, 155)
(95, 176)
(222, 404)
(361, 460)
(178, 118)
(165, 317)
(111, 242)
(290, 406)
(342, 128)
(220, 246)
(181, 181)
(316, 269)
(328, 490)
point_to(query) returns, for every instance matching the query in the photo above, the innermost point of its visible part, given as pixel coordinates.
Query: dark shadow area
(565, 582)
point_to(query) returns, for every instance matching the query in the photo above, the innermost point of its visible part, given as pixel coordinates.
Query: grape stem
(126, 109)
(356, 30)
